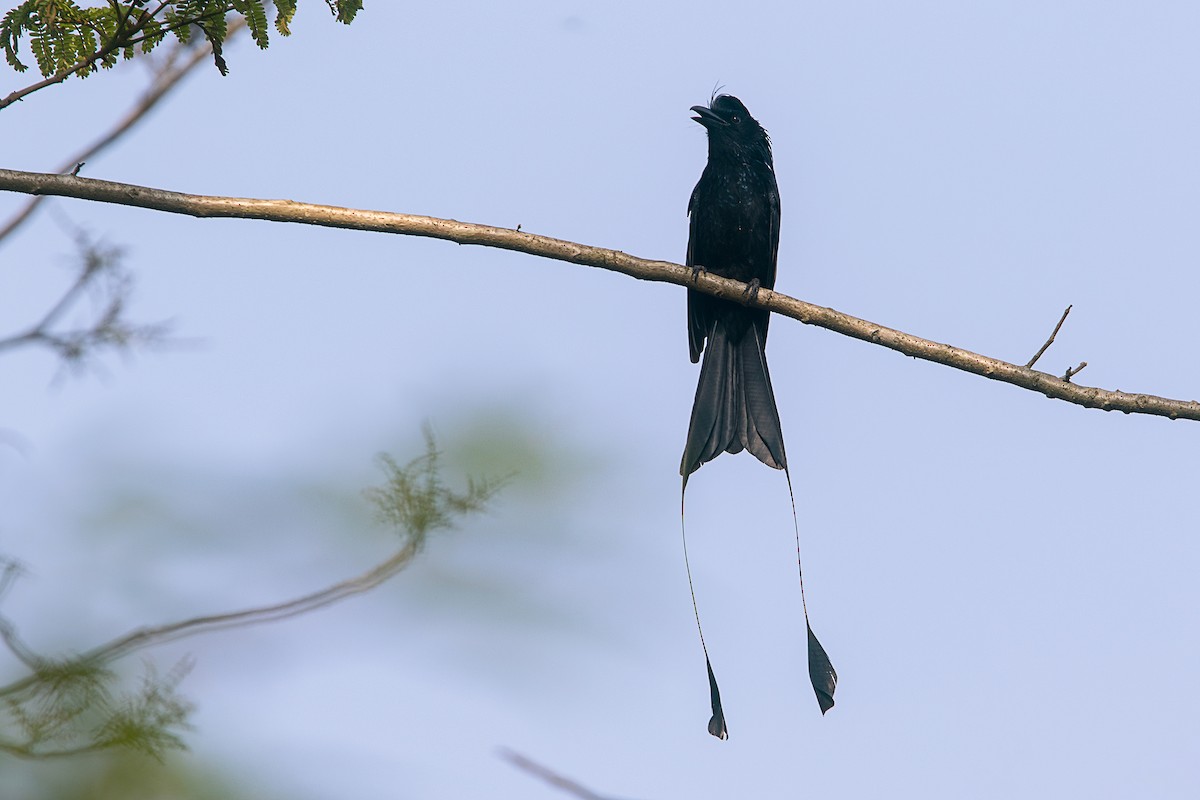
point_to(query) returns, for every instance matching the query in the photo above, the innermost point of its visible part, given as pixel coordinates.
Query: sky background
(1006, 584)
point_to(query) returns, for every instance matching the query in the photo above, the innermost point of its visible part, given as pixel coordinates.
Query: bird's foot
(751, 293)
(696, 270)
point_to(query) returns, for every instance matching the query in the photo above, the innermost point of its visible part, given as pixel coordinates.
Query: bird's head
(731, 129)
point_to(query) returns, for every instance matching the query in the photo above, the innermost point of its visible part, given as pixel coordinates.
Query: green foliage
(284, 11)
(256, 20)
(62, 34)
(79, 704)
(344, 10)
(415, 501)
(67, 39)
(61, 693)
(147, 721)
(74, 705)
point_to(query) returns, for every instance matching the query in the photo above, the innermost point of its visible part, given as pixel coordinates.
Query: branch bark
(290, 211)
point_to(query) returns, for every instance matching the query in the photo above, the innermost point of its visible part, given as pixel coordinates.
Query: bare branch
(1072, 371)
(1051, 386)
(550, 776)
(1049, 341)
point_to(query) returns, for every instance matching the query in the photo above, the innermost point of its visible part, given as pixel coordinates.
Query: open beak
(707, 117)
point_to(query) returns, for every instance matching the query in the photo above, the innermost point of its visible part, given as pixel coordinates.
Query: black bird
(734, 232)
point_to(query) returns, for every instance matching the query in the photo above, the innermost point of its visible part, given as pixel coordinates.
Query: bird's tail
(735, 405)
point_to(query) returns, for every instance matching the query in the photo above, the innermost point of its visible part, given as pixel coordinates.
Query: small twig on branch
(1073, 371)
(560, 250)
(1049, 341)
(550, 776)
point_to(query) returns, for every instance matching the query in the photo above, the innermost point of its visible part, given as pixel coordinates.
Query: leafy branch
(67, 39)
(1052, 386)
(71, 705)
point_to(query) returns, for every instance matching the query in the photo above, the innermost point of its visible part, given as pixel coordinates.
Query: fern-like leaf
(285, 10)
(66, 39)
(344, 10)
(256, 20)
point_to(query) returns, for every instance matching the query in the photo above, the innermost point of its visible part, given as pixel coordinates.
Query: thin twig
(558, 249)
(8, 576)
(146, 637)
(1073, 371)
(550, 776)
(57, 77)
(1049, 341)
(8, 633)
(25, 751)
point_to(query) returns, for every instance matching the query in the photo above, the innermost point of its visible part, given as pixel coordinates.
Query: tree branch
(1051, 386)
(550, 776)
(58, 77)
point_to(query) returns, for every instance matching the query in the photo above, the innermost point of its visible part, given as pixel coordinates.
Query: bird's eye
(735, 119)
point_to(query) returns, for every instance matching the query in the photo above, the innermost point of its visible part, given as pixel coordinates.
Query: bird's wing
(697, 303)
(773, 202)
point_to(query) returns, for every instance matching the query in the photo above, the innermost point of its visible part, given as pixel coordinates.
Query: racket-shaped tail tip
(821, 672)
(716, 724)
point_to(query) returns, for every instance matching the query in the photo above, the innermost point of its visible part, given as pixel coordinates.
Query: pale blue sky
(1006, 584)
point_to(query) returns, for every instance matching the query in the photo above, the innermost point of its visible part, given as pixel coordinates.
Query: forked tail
(735, 410)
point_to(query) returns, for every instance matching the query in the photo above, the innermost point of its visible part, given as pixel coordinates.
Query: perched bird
(734, 232)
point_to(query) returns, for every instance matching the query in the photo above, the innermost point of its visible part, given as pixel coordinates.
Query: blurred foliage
(68, 39)
(102, 275)
(415, 500)
(117, 775)
(72, 706)
(75, 705)
(267, 531)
